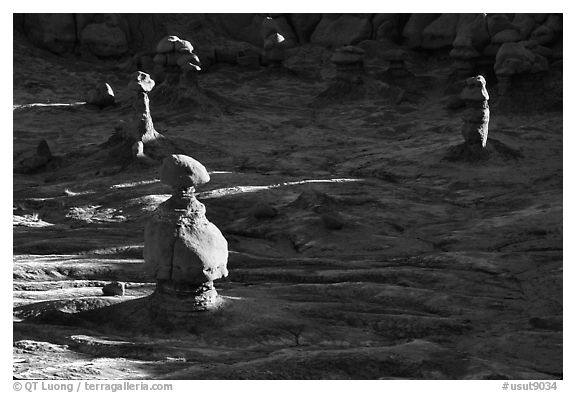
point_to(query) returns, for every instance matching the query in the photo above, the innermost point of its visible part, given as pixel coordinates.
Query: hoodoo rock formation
(175, 61)
(183, 251)
(477, 114)
(138, 134)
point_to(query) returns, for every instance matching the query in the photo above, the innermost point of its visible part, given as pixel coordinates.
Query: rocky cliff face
(475, 42)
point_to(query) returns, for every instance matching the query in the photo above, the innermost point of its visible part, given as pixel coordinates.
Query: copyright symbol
(17, 386)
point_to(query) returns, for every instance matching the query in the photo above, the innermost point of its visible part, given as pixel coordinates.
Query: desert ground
(359, 246)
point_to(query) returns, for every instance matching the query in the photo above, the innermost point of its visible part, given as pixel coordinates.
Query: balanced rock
(477, 114)
(183, 251)
(182, 172)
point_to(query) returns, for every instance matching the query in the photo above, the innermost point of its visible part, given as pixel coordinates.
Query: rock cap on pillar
(172, 43)
(182, 172)
(141, 82)
(475, 89)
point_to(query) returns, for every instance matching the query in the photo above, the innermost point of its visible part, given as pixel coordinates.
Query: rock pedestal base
(176, 301)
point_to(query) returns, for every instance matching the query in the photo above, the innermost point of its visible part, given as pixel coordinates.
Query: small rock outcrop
(517, 58)
(34, 161)
(101, 96)
(183, 251)
(114, 288)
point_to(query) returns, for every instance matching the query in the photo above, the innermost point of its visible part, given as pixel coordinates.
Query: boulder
(497, 23)
(104, 40)
(182, 172)
(548, 33)
(414, 28)
(114, 288)
(472, 31)
(32, 161)
(534, 47)
(341, 30)
(524, 24)
(441, 32)
(101, 96)
(304, 25)
(543, 35)
(508, 35)
(388, 26)
(55, 32)
(516, 58)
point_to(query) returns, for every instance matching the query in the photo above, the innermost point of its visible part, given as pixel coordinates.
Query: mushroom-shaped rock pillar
(183, 251)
